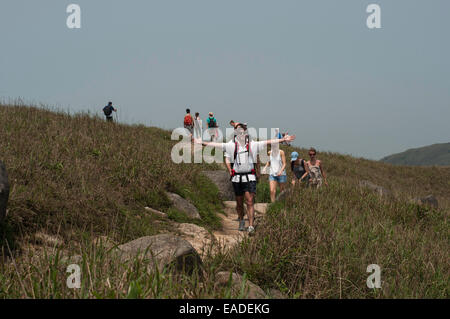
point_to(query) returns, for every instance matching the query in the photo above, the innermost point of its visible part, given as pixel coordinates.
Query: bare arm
(307, 171)
(213, 144)
(227, 163)
(323, 173)
(288, 138)
(283, 159)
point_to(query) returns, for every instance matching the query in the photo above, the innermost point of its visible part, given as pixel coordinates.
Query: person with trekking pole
(240, 159)
(108, 111)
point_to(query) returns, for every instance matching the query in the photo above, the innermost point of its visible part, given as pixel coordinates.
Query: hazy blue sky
(310, 67)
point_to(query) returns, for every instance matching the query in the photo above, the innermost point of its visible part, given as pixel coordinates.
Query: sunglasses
(312, 154)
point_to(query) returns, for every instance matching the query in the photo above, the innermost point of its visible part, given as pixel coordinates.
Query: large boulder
(164, 249)
(4, 191)
(381, 191)
(222, 180)
(429, 201)
(251, 290)
(197, 236)
(183, 205)
(283, 195)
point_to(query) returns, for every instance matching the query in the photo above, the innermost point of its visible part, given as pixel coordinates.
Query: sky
(312, 68)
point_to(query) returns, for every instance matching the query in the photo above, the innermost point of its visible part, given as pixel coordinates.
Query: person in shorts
(240, 159)
(277, 173)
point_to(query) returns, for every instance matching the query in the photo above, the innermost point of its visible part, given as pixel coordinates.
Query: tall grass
(318, 244)
(76, 177)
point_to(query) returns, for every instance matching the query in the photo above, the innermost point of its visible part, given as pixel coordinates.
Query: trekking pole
(117, 117)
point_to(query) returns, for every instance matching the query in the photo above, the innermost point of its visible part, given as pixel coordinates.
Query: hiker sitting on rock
(240, 159)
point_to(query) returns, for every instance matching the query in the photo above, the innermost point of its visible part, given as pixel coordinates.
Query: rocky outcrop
(197, 236)
(429, 201)
(222, 180)
(251, 290)
(381, 191)
(184, 206)
(282, 195)
(4, 191)
(164, 249)
(155, 212)
(48, 240)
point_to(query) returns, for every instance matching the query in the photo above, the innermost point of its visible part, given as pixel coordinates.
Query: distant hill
(436, 154)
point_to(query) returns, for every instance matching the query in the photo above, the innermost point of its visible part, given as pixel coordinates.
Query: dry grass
(77, 177)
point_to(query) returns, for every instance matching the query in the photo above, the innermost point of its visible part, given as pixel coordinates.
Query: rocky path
(230, 235)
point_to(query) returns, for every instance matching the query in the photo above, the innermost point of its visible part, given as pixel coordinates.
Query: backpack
(212, 122)
(188, 120)
(247, 150)
(107, 110)
(302, 164)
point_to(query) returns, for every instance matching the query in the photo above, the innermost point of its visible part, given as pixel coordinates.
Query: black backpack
(107, 110)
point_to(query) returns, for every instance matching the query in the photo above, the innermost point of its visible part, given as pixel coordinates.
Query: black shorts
(241, 188)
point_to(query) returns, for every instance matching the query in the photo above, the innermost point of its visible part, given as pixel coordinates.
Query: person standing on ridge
(212, 126)
(240, 159)
(107, 110)
(197, 126)
(189, 122)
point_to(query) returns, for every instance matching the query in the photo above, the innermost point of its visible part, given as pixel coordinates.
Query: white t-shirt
(244, 160)
(275, 164)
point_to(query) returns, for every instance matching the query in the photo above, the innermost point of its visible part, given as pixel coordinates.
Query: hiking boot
(241, 225)
(251, 230)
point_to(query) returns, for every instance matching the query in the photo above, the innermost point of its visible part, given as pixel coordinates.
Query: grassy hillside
(436, 154)
(75, 175)
(78, 178)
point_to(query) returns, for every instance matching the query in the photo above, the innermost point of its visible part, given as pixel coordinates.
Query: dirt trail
(230, 235)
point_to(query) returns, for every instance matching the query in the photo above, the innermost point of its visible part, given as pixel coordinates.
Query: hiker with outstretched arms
(108, 110)
(189, 122)
(240, 159)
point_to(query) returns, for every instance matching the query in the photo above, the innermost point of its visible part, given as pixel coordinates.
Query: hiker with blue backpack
(108, 111)
(241, 159)
(212, 127)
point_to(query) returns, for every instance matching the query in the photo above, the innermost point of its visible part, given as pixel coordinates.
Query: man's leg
(240, 206)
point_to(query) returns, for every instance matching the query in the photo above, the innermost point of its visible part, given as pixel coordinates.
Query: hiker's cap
(294, 156)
